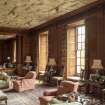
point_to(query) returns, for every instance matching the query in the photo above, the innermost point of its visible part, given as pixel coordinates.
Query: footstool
(3, 97)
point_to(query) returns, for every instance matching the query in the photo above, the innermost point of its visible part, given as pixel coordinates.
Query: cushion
(50, 92)
(4, 84)
(29, 75)
(67, 86)
(3, 76)
(55, 101)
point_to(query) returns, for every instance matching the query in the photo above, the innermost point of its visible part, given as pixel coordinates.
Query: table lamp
(97, 65)
(51, 62)
(28, 59)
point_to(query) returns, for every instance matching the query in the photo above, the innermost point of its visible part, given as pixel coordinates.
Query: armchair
(65, 87)
(4, 80)
(25, 83)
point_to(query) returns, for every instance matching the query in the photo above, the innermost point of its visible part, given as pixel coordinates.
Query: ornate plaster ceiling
(30, 13)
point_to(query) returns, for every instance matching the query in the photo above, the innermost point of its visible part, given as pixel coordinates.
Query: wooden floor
(29, 97)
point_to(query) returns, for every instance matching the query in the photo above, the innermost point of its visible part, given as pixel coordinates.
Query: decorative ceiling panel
(30, 13)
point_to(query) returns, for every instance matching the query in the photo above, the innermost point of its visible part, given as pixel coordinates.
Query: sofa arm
(17, 82)
(50, 92)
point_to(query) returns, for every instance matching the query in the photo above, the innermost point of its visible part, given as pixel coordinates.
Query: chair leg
(6, 102)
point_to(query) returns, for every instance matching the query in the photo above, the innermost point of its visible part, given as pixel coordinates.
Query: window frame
(82, 48)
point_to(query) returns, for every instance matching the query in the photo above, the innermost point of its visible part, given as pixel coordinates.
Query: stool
(3, 97)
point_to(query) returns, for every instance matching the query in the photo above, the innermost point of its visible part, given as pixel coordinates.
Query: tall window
(80, 48)
(43, 50)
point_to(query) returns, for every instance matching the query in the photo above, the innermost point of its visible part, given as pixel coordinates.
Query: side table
(58, 79)
(41, 75)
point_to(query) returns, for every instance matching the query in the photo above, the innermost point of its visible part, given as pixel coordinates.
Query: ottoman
(3, 97)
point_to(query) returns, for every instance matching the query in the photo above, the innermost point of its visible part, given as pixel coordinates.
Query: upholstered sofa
(25, 83)
(4, 80)
(65, 87)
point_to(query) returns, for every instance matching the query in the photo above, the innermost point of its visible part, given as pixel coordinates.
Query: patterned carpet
(29, 97)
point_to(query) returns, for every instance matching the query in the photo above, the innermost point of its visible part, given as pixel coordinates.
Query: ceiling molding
(12, 30)
(5, 37)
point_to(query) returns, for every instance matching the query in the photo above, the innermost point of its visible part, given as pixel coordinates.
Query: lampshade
(8, 58)
(51, 62)
(28, 59)
(97, 64)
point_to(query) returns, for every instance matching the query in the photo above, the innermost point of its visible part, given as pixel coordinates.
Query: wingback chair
(65, 87)
(25, 83)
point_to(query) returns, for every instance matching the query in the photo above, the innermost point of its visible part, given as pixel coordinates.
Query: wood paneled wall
(26, 46)
(27, 43)
(6, 49)
(95, 36)
(57, 44)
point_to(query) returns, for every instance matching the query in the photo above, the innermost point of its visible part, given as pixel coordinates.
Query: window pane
(78, 54)
(79, 30)
(82, 61)
(78, 69)
(79, 38)
(83, 46)
(83, 54)
(79, 46)
(78, 61)
(83, 30)
(83, 38)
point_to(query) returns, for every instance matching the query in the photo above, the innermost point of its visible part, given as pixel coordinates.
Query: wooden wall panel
(57, 39)
(57, 43)
(26, 46)
(1, 51)
(6, 49)
(95, 37)
(94, 32)
(19, 57)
